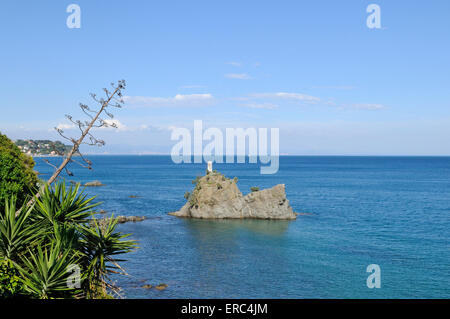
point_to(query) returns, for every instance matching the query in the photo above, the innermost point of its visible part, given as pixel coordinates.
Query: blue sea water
(389, 211)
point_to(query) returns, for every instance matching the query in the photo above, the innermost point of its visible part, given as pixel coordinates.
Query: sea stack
(218, 197)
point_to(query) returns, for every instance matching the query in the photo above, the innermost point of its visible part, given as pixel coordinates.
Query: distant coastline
(284, 155)
(43, 148)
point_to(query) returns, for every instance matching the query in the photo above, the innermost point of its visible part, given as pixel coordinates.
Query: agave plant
(100, 246)
(39, 246)
(45, 273)
(16, 233)
(62, 205)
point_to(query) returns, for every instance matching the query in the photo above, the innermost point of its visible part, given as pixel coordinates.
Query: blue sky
(311, 68)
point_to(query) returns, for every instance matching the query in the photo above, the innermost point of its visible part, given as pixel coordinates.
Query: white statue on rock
(210, 166)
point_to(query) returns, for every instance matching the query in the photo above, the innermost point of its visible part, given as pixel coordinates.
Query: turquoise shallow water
(390, 211)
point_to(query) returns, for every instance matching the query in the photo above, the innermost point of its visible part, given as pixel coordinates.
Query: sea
(354, 212)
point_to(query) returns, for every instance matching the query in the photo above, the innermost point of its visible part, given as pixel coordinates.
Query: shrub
(192, 200)
(42, 243)
(17, 177)
(9, 280)
(254, 189)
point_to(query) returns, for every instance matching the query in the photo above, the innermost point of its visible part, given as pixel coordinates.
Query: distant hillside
(43, 147)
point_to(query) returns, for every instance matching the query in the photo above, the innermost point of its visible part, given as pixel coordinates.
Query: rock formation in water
(94, 184)
(218, 197)
(103, 222)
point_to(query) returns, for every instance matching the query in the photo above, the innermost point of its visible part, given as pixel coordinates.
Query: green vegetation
(55, 242)
(195, 181)
(192, 197)
(43, 147)
(17, 177)
(210, 180)
(192, 200)
(254, 189)
(9, 280)
(51, 246)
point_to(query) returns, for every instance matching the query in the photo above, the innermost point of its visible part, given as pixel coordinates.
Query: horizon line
(281, 155)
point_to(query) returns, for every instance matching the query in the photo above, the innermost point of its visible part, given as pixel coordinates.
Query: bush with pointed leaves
(40, 244)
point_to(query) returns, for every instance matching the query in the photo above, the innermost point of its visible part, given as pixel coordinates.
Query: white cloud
(115, 124)
(286, 96)
(120, 127)
(234, 63)
(238, 76)
(179, 100)
(192, 97)
(65, 126)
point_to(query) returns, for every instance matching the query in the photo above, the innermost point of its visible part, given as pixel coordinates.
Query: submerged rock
(218, 197)
(94, 184)
(161, 286)
(125, 219)
(103, 222)
(147, 286)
